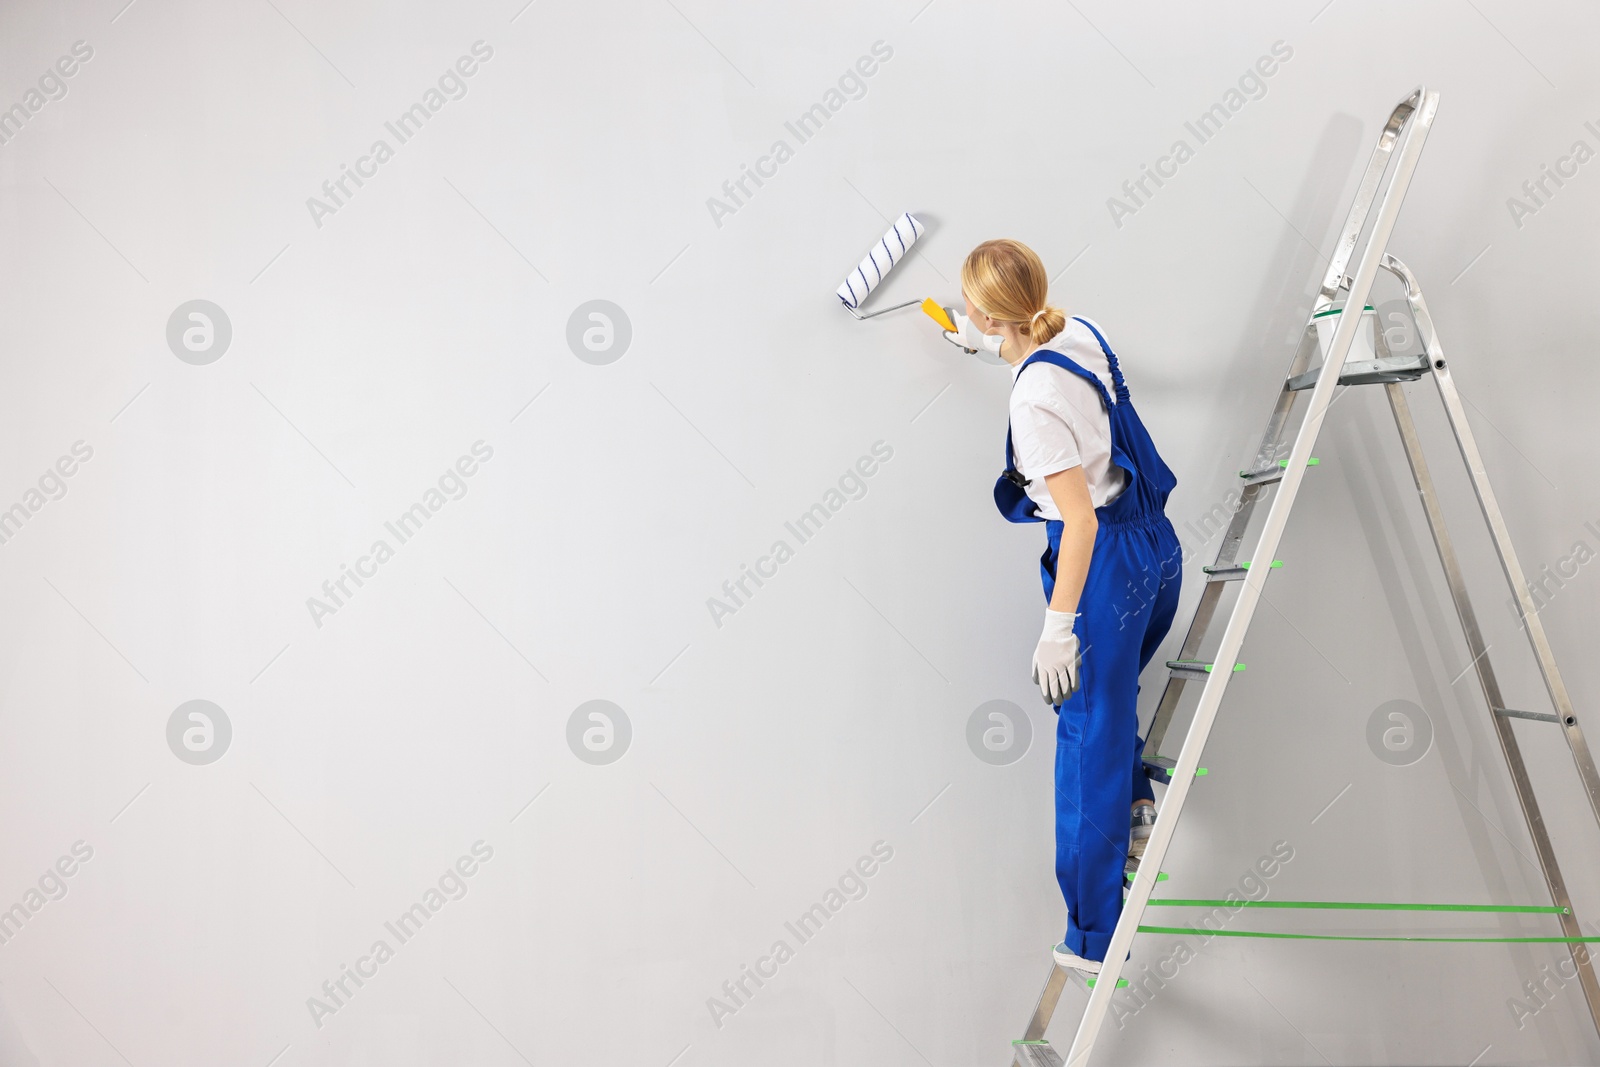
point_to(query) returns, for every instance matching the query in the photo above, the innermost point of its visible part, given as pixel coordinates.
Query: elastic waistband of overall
(1147, 521)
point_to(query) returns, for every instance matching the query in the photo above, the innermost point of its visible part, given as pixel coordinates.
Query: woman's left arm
(1070, 491)
(1055, 661)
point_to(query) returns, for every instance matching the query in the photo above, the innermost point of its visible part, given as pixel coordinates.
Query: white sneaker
(1066, 958)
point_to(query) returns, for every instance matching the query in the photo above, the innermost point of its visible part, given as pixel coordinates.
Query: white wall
(372, 347)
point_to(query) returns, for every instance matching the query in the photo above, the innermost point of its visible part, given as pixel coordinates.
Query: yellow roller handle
(937, 314)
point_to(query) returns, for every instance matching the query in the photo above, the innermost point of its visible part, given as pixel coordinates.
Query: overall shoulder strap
(1111, 359)
(1054, 358)
(1037, 357)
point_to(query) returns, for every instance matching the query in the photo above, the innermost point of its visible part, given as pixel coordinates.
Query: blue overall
(1127, 605)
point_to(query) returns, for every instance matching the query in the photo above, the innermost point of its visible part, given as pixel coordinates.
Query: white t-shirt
(1058, 420)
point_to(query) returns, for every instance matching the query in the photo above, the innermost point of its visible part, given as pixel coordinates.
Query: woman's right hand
(968, 337)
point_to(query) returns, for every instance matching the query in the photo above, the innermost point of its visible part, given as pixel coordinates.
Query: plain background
(770, 752)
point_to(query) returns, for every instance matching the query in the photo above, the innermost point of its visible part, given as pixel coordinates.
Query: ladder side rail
(1173, 691)
(1048, 997)
(1200, 623)
(1227, 655)
(1272, 438)
(1490, 506)
(1228, 550)
(1490, 684)
(1356, 221)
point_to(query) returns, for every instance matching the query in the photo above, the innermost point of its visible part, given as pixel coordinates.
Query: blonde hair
(1006, 280)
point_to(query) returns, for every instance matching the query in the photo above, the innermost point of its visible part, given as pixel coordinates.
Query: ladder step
(1160, 768)
(1234, 573)
(1193, 668)
(1268, 475)
(1035, 1054)
(1536, 716)
(1264, 476)
(1225, 574)
(1368, 372)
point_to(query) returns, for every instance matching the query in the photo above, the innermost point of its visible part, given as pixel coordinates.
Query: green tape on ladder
(1161, 876)
(1274, 563)
(1352, 937)
(1333, 311)
(1194, 664)
(1520, 909)
(1121, 983)
(1312, 462)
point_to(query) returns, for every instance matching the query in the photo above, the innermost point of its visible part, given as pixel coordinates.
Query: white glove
(1055, 661)
(968, 337)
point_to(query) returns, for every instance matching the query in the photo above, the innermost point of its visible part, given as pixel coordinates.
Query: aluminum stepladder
(1406, 128)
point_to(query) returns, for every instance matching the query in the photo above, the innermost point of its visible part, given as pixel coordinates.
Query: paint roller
(891, 248)
(875, 267)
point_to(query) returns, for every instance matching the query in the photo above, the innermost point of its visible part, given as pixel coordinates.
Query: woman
(1079, 460)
